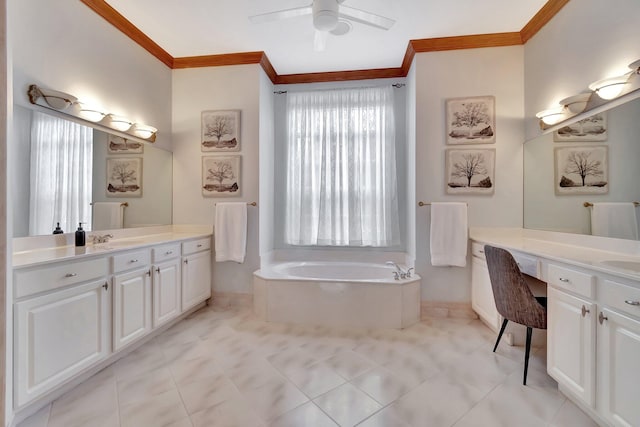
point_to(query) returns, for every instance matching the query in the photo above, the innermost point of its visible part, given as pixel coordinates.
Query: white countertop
(579, 250)
(126, 239)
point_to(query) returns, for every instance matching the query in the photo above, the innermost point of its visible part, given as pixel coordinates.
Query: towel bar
(590, 205)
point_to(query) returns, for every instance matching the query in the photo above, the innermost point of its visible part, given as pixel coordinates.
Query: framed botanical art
(471, 120)
(221, 176)
(220, 130)
(119, 145)
(124, 177)
(591, 129)
(470, 171)
(581, 170)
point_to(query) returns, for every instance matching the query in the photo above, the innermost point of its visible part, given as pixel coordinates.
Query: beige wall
(217, 88)
(462, 73)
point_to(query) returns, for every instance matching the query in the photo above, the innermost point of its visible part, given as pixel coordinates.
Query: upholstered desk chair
(514, 300)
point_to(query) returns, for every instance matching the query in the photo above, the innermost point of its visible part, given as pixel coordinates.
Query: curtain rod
(395, 85)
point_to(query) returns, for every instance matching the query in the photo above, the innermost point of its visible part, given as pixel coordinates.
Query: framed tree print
(581, 170)
(220, 130)
(470, 171)
(124, 177)
(221, 176)
(471, 120)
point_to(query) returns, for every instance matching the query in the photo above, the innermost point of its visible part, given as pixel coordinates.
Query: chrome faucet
(399, 273)
(101, 239)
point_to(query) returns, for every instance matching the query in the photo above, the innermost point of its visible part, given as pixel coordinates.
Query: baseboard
(232, 299)
(453, 310)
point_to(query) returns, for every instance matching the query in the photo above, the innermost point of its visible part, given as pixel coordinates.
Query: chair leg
(504, 325)
(526, 355)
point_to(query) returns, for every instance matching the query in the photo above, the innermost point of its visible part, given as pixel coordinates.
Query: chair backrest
(513, 297)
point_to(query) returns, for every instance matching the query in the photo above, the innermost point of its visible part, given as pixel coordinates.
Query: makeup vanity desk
(593, 313)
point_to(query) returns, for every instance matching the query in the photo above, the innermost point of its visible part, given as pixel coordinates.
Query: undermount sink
(625, 265)
(117, 244)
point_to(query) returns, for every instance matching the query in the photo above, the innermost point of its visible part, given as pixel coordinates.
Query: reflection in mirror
(60, 169)
(545, 209)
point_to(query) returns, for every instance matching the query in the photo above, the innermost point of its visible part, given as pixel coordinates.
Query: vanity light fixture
(612, 87)
(63, 101)
(577, 103)
(143, 131)
(89, 113)
(53, 98)
(118, 122)
(552, 115)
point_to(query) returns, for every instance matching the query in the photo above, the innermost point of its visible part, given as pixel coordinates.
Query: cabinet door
(131, 307)
(571, 341)
(59, 335)
(166, 291)
(196, 279)
(619, 368)
(482, 300)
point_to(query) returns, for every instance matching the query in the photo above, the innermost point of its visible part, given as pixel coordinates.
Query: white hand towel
(449, 234)
(107, 215)
(614, 220)
(230, 231)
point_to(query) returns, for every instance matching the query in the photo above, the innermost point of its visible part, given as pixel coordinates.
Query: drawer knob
(106, 286)
(602, 318)
(71, 275)
(133, 260)
(168, 252)
(158, 270)
(631, 302)
(481, 251)
(562, 279)
(199, 245)
(585, 310)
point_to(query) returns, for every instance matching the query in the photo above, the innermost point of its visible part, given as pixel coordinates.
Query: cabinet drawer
(129, 260)
(29, 282)
(165, 252)
(619, 296)
(196, 246)
(571, 280)
(477, 250)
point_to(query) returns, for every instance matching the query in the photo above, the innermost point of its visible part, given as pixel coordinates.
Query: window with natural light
(61, 174)
(341, 184)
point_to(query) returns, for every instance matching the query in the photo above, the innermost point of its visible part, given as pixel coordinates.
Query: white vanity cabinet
(619, 353)
(196, 272)
(594, 341)
(61, 324)
(482, 301)
(167, 284)
(73, 313)
(131, 297)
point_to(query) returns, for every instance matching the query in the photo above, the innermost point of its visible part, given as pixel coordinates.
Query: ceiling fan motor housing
(325, 14)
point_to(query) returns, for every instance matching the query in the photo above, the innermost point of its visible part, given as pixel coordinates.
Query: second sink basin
(625, 265)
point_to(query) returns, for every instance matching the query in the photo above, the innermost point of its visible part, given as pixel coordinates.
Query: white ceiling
(209, 27)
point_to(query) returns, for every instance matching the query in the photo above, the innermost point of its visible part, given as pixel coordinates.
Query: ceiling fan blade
(320, 40)
(281, 14)
(366, 18)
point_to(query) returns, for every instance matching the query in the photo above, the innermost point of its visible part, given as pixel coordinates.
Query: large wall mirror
(545, 208)
(150, 205)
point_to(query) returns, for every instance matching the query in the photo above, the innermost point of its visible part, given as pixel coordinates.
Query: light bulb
(610, 88)
(119, 122)
(143, 131)
(552, 115)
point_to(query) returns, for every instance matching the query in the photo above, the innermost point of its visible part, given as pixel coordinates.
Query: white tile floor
(226, 368)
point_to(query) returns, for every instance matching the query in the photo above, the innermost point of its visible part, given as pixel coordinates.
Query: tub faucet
(399, 273)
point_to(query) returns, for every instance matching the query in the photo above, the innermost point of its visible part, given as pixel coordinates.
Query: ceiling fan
(329, 17)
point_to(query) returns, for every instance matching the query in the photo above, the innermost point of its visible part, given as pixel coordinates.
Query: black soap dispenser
(80, 236)
(58, 230)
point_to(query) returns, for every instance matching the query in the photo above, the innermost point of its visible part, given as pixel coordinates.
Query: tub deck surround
(592, 252)
(37, 250)
(336, 294)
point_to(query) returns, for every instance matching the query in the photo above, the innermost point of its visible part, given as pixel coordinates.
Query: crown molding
(113, 17)
(540, 19)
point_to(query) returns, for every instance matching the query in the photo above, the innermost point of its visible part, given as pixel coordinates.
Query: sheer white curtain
(341, 168)
(61, 168)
